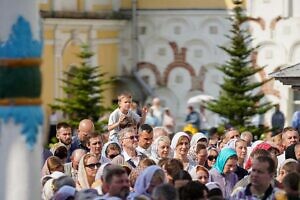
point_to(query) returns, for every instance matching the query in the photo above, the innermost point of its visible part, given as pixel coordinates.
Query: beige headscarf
(82, 182)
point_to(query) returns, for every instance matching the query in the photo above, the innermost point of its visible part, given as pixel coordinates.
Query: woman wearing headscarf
(196, 138)
(180, 145)
(200, 173)
(87, 170)
(160, 148)
(151, 177)
(240, 146)
(223, 171)
(212, 154)
(110, 150)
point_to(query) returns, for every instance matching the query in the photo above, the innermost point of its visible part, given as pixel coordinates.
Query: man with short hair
(71, 168)
(260, 187)
(95, 146)
(64, 133)
(231, 133)
(145, 139)
(64, 136)
(116, 182)
(128, 139)
(86, 126)
(289, 136)
(248, 137)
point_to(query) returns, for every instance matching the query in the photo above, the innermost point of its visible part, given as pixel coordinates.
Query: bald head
(159, 131)
(76, 156)
(86, 126)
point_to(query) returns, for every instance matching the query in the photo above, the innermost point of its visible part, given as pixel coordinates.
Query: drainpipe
(134, 36)
(134, 39)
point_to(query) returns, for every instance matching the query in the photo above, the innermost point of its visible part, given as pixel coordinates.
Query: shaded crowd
(141, 158)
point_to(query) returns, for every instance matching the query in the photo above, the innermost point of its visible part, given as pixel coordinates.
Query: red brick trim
(153, 68)
(179, 61)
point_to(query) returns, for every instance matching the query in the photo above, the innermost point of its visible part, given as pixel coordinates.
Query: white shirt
(147, 152)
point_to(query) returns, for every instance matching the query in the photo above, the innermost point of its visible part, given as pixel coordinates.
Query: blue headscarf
(222, 158)
(143, 181)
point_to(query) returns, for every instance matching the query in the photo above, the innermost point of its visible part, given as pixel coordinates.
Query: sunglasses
(132, 137)
(112, 156)
(211, 158)
(93, 165)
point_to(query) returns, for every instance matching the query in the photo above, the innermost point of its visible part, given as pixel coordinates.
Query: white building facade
(178, 52)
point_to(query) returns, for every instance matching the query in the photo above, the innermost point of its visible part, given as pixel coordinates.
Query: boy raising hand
(123, 116)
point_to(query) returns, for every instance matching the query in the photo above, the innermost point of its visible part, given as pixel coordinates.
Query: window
(296, 100)
(198, 53)
(177, 30)
(162, 51)
(213, 30)
(142, 30)
(286, 30)
(146, 79)
(178, 79)
(268, 54)
(125, 52)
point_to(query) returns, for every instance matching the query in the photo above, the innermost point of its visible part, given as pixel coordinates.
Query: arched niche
(198, 51)
(271, 55)
(158, 52)
(176, 27)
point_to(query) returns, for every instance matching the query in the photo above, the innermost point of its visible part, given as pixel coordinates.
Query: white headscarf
(193, 172)
(176, 139)
(193, 146)
(154, 148)
(231, 143)
(48, 192)
(196, 137)
(104, 148)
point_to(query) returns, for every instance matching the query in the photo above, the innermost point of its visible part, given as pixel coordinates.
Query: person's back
(277, 119)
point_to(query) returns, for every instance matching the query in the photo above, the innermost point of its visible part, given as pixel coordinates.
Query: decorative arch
(179, 61)
(292, 51)
(268, 87)
(153, 68)
(69, 42)
(257, 20)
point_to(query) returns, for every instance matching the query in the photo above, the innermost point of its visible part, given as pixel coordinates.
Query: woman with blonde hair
(87, 170)
(51, 165)
(180, 145)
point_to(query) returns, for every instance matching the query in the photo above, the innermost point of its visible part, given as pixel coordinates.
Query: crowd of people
(140, 160)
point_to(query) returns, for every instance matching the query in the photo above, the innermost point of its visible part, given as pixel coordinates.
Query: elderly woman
(151, 177)
(180, 145)
(160, 148)
(87, 170)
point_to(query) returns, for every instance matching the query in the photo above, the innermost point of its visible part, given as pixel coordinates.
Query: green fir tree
(84, 87)
(240, 98)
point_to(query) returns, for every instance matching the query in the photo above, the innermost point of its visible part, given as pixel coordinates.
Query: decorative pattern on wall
(20, 85)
